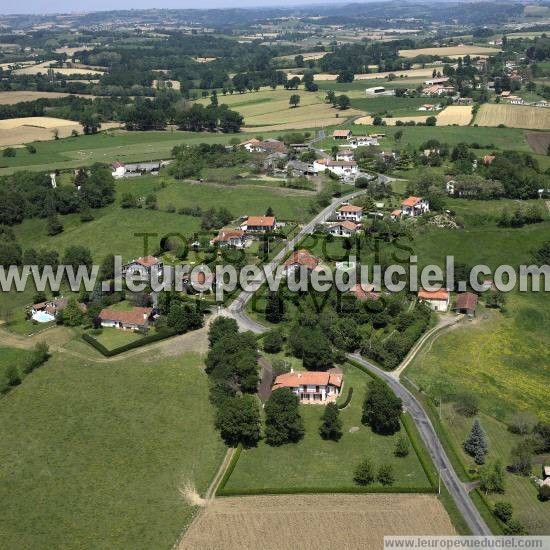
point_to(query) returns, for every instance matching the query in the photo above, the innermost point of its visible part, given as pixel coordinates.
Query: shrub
(467, 404)
(544, 492)
(503, 511)
(331, 427)
(402, 447)
(521, 458)
(514, 527)
(364, 473)
(13, 376)
(273, 341)
(385, 474)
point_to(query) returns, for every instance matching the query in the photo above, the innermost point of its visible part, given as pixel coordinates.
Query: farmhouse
(341, 134)
(438, 300)
(137, 318)
(345, 154)
(364, 292)
(146, 266)
(466, 303)
(349, 212)
(362, 141)
(343, 229)
(299, 168)
(266, 146)
(437, 89)
(258, 223)
(311, 386)
(300, 258)
(230, 237)
(415, 206)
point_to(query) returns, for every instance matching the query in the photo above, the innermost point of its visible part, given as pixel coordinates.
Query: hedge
(319, 490)
(155, 337)
(230, 468)
(347, 400)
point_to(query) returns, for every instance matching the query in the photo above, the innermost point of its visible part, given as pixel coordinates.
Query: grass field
(93, 455)
(397, 106)
(315, 521)
(405, 74)
(113, 338)
(514, 116)
(450, 51)
(315, 463)
(8, 357)
(10, 98)
(455, 114)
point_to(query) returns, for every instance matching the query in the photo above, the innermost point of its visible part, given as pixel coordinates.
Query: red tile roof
(307, 378)
(364, 292)
(411, 201)
(350, 208)
(396, 213)
(347, 224)
(227, 234)
(117, 164)
(302, 257)
(260, 221)
(341, 163)
(341, 133)
(135, 316)
(466, 300)
(147, 261)
(441, 294)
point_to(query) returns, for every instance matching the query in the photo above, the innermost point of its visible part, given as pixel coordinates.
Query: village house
(434, 81)
(121, 170)
(343, 229)
(488, 159)
(145, 266)
(341, 134)
(230, 237)
(259, 223)
(429, 107)
(48, 310)
(438, 300)
(301, 258)
(135, 319)
(342, 168)
(466, 303)
(463, 101)
(362, 141)
(395, 214)
(415, 206)
(438, 89)
(349, 212)
(265, 146)
(312, 387)
(345, 154)
(300, 168)
(364, 292)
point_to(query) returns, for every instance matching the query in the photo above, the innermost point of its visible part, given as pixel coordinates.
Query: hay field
(514, 116)
(268, 108)
(315, 521)
(409, 73)
(43, 68)
(16, 131)
(450, 51)
(307, 56)
(10, 98)
(455, 114)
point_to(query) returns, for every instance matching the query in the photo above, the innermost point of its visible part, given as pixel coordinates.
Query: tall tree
(381, 409)
(238, 420)
(283, 423)
(331, 426)
(476, 442)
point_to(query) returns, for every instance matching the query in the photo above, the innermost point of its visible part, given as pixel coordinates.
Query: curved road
(455, 487)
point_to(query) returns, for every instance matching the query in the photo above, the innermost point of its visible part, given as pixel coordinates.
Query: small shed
(466, 303)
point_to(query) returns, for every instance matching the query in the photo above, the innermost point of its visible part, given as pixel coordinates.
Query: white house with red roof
(345, 154)
(230, 237)
(343, 229)
(349, 212)
(259, 223)
(119, 169)
(135, 319)
(438, 300)
(341, 134)
(342, 168)
(312, 387)
(146, 266)
(301, 258)
(364, 292)
(414, 206)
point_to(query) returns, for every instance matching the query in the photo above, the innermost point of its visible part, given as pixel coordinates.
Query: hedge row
(347, 400)
(230, 468)
(314, 490)
(155, 337)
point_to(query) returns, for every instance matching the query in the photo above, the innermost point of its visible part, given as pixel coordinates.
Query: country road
(237, 310)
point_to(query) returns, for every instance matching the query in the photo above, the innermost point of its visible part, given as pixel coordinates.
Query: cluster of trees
(342, 101)
(521, 215)
(30, 195)
(211, 117)
(366, 473)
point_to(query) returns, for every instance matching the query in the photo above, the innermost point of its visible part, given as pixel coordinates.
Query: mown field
(315, 463)
(93, 455)
(450, 51)
(514, 116)
(460, 115)
(397, 106)
(315, 521)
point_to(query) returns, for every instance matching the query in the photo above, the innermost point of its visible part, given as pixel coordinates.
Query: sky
(66, 6)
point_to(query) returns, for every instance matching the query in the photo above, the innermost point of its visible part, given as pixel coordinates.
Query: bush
(467, 404)
(364, 473)
(331, 427)
(503, 511)
(515, 528)
(544, 492)
(385, 474)
(402, 447)
(273, 341)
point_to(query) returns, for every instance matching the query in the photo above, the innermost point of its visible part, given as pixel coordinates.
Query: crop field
(10, 98)
(271, 108)
(286, 522)
(460, 115)
(316, 463)
(42, 68)
(94, 454)
(514, 116)
(539, 141)
(405, 73)
(307, 56)
(450, 51)
(397, 106)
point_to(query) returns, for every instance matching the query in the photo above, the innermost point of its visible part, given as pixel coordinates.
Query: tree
(72, 314)
(364, 473)
(9, 152)
(431, 121)
(381, 409)
(544, 492)
(317, 351)
(343, 102)
(541, 256)
(183, 317)
(39, 355)
(402, 447)
(220, 327)
(476, 442)
(515, 528)
(273, 341)
(330, 97)
(127, 200)
(12, 375)
(491, 478)
(385, 474)
(294, 100)
(331, 426)
(238, 420)
(398, 135)
(54, 225)
(503, 510)
(77, 255)
(467, 404)
(521, 458)
(283, 423)
(275, 308)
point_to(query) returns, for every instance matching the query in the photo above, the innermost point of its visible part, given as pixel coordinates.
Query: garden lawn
(113, 338)
(93, 454)
(520, 491)
(314, 463)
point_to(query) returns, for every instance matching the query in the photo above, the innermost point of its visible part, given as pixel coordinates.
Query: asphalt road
(449, 477)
